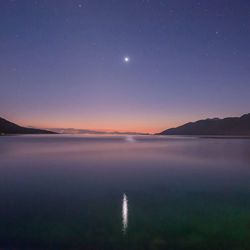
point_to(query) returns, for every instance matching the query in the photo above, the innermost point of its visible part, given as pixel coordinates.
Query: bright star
(126, 59)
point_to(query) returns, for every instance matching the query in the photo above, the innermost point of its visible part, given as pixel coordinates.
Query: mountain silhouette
(231, 126)
(7, 127)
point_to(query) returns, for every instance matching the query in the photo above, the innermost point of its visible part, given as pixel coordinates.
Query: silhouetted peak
(7, 127)
(246, 116)
(238, 126)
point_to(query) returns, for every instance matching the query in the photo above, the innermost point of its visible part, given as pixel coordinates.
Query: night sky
(127, 65)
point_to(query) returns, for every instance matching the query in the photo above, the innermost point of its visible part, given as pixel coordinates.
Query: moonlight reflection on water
(124, 213)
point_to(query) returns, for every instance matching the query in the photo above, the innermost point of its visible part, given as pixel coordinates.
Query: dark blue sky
(62, 62)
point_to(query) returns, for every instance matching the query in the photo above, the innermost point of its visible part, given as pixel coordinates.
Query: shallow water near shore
(124, 192)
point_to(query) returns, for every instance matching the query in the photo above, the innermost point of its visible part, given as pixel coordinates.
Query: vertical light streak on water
(124, 213)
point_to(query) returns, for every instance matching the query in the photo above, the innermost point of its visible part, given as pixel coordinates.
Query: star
(126, 59)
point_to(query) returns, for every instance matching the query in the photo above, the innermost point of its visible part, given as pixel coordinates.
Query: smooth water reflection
(68, 192)
(124, 213)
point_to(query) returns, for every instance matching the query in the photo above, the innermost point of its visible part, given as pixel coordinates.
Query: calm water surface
(124, 192)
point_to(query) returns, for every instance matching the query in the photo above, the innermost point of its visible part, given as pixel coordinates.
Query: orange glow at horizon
(144, 123)
(104, 126)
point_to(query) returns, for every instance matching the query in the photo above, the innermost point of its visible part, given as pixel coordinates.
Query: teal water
(124, 192)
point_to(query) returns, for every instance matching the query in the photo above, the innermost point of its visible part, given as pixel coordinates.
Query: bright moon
(126, 59)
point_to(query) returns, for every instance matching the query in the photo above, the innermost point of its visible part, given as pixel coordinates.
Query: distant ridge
(7, 127)
(92, 132)
(231, 126)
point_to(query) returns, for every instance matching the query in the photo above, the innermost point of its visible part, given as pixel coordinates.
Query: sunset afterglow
(138, 66)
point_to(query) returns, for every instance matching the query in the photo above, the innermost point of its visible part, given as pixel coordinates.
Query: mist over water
(124, 192)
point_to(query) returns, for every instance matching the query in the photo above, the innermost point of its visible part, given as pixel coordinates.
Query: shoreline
(225, 137)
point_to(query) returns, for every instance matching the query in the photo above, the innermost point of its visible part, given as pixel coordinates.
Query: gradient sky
(62, 62)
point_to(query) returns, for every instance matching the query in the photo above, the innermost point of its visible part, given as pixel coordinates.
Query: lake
(124, 192)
